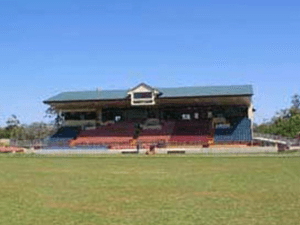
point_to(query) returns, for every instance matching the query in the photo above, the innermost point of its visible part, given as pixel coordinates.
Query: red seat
(191, 131)
(119, 133)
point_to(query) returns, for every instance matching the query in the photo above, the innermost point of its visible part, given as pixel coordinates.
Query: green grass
(149, 190)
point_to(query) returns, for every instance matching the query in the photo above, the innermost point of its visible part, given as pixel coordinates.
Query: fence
(37, 143)
(64, 144)
(51, 145)
(287, 140)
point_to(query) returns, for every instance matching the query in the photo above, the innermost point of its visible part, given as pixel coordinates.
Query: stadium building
(148, 115)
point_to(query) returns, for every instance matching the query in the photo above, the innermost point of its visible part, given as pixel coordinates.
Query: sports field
(149, 190)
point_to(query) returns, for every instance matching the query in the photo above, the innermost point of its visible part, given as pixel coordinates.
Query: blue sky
(47, 47)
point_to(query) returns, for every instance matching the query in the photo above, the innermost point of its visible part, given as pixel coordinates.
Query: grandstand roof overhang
(207, 95)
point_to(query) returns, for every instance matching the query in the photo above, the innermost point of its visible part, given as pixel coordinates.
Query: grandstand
(154, 116)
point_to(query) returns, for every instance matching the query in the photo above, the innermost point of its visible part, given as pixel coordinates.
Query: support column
(60, 112)
(98, 117)
(251, 117)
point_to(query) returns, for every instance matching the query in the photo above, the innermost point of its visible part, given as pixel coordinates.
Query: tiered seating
(62, 137)
(66, 132)
(120, 135)
(240, 131)
(157, 133)
(191, 132)
(113, 135)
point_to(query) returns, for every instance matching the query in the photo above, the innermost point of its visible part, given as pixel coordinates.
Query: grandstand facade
(163, 116)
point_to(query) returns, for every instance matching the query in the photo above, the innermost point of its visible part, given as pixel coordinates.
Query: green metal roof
(165, 93)
(207, 91)
(89, 95)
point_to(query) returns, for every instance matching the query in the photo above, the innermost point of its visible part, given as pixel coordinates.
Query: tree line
(286, 122)
(15, 130)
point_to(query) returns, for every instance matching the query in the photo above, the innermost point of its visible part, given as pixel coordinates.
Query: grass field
(149, 190)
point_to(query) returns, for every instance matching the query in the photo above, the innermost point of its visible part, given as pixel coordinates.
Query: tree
(15, 130)
(4, 133)
(296, 101)
(283, 114)
(13, 126)
(286, 122)
(12, 122)
(295, 109)
(37, 130)
(52, 113)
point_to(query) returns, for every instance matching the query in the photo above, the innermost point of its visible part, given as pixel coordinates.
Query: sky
(47, 47)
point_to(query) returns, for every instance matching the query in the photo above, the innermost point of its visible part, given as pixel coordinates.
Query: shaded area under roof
(165, 93)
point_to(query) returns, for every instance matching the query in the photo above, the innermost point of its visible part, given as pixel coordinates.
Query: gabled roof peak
(143, 85)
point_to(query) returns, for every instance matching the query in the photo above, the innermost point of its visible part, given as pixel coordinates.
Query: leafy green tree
(4, 133)
(295, 109)
(37, 130)
(12, 122)
(18, 131)
(296, 101)
(286, 122)
(13, 127)
(53, 114)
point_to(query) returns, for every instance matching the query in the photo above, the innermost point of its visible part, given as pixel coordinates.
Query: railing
(37, 143)
(48, 144)
(287, 140)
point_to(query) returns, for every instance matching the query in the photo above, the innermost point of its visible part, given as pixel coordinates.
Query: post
(98, 117)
